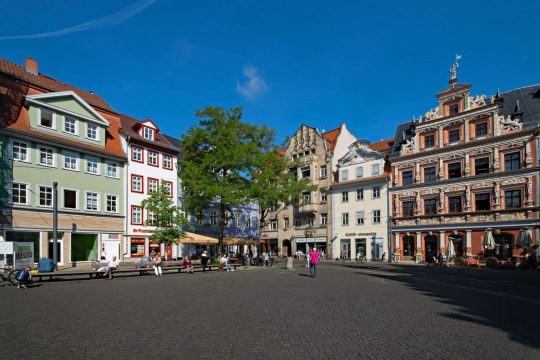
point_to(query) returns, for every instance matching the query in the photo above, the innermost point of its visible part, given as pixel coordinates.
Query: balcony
(308, 207)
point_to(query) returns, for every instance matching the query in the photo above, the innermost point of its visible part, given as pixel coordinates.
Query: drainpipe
(55, 222)
(126, 203)
(388, 219)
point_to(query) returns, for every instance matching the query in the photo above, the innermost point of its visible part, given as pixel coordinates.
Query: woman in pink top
(313, 260)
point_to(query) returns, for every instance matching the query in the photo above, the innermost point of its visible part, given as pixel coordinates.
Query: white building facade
(152, 162)
(359, 204)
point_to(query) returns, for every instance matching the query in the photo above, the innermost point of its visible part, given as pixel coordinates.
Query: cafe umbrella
(488, 243)
(524, 239)
(450, 251)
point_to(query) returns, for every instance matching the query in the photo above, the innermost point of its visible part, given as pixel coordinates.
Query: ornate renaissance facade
(465, 171)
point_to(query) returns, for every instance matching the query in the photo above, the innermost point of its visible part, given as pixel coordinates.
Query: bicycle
(361, 259)
(9, 275)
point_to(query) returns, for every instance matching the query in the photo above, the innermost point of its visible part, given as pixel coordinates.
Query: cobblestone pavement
(348, 311)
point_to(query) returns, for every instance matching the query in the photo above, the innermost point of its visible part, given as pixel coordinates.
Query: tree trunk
(222, 220)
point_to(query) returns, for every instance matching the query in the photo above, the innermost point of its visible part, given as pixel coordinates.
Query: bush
(492, 263)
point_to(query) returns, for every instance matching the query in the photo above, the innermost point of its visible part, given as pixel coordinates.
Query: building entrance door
(361, 249)
(430, 245)
(111, 248)
(408, 247)
(345, 247)
(59, 249)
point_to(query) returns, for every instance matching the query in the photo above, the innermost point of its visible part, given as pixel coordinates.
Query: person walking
(313, 261)
(157, 265)
(204, 260)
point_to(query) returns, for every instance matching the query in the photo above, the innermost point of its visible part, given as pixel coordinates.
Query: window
(70, 125)
(453, 109)
(306, 172)
(453, 136)
(112, 203)
(512, 161)
(136, 215)
(324, 219)
(273, 224)
(248, 222)
(137, 154)
(344, 175)
(429, 141)
(92, 166)
(213, 217)
(70, 199)
(151, 218)
(91, 203)
(375, 169)
(430, 174)
(46, 118)
(167, 188)
(481, 166)
(454, 170)
(167, 162)
(152, 185)
(480, 129)
(407, 208)
(376, 216)
(359, 218)
(306, 198)
(454, 204)
(344, 196)
(323, 172)
(46, 156)
(323, 197)
(20, 195)
(310, 222)
(359, 172)
(345, 219)
(136, 183)
(152, 158)
(71, 161)
(286, 223)
(45, 196)
(512, 199)
(92, 131)
(482, 201)
(297, 222)
(148, 133)
(237, 219)
(407, 178)
(20, 151)
(112, 169)
(430, 206)
(376, 192)
(359, 194)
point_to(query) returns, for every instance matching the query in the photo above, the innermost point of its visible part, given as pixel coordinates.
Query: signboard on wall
(23, 254)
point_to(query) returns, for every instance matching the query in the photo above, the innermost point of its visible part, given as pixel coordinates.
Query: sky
(369, 64)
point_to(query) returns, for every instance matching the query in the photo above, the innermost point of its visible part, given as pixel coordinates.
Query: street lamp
(309, 232)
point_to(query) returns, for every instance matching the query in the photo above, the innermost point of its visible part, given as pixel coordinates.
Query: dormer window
(46, 118)
(148, 133)
(70, 125)
(481, 129)
(429, 141)
(92, 132)
(453, 109)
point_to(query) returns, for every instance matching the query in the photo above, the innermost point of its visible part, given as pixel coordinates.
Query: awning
(238, 241)
(192, 238)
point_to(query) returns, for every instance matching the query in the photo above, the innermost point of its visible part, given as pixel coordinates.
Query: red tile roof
(331, 138)
(14, 117)
(48, 84)
(128, 126)
(383, 146)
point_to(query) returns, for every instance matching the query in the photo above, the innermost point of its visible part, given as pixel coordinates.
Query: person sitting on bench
(188, 264)
(113, 265)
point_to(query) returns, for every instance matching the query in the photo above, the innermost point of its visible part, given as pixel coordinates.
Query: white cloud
(106, 21)
(253, 85)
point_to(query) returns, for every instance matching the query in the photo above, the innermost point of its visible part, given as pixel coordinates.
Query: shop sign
(137, 230)
(24, 254)
(310, 240)
(110, 236)
(350, 234)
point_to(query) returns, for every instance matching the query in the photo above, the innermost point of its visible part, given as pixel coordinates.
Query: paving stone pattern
(348, 311)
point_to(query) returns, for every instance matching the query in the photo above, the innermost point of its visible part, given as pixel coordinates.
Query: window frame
(141, 215)
(344, 196)
(376, 195)
(434, 167)
(344, 175)
(359, 194)
(451, 132)
(76, 191)
(323, 172)
(359, 172)
(88, 161)
(53, 119)
(26, 193)
(116, 167)
(170, 158)
(363, 217)
(426, 137)
(133, 152)
(117, 202)
(376, 166)
(39, 188)
(87, 128)
(27, 150)
(148, 157)
(151, 132)
(149, 180)
(376, 214)
(476, 199)
(39, 148)
(165, 182)
(488, 165)
(450, 210)
(476, 129)
(410, 206)
(403, 183)
(324, 219)
(142, 183)
(345, 219)
(512, 191)
(324, 197)
(460, 170)
(86, 193)
(506, 168)
(75, 125)
(304, 169)
(430, 206)
(66, 155)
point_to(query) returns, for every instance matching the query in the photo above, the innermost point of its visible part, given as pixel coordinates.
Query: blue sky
(371, 65)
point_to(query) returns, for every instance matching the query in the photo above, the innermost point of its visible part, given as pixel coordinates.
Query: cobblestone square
(348, 311)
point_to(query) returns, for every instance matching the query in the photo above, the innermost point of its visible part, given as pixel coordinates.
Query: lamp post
(55, 222)
(309, 232)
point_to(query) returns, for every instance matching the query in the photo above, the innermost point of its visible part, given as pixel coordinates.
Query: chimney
(31, 65)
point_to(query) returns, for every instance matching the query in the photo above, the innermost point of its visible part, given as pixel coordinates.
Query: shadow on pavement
(505, 300)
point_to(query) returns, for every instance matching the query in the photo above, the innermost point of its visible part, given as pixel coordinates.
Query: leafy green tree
(273, 184)
(169, 222)
(218, 158)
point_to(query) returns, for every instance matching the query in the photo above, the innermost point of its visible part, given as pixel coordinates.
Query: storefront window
(137, 247)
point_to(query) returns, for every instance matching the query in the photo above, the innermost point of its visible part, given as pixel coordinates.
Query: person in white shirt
(113, 265)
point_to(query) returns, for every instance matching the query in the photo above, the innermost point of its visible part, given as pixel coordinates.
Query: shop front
(304, 244)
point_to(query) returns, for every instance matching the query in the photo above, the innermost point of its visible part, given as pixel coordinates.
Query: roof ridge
(520, 88)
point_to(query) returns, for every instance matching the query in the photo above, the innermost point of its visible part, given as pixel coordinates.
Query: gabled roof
(331, 138)
(49, 84)
(129, 126)
(383, 146)
(454, 88)
(39, 97)
(529, 104)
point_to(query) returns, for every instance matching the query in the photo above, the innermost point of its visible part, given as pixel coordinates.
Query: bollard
(290, 263)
